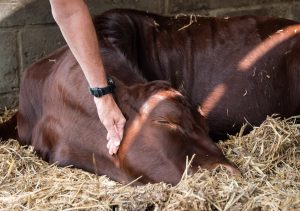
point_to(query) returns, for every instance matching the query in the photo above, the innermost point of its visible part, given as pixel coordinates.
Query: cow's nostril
(232, 169)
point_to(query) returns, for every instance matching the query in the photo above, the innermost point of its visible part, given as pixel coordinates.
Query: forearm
(78, 30)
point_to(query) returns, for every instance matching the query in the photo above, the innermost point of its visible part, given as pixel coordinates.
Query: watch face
(110, 81)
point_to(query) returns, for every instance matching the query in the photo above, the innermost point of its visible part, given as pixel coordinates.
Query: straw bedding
(268, 157)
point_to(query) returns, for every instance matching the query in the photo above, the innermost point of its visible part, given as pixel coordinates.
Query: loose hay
(268, 158)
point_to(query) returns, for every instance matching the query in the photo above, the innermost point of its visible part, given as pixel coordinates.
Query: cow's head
(161, 131)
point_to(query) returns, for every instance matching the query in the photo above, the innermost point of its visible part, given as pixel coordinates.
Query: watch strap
(99, 92)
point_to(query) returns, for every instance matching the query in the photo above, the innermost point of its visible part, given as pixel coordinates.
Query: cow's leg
(53, 143)
(77, 155)
(26, 118)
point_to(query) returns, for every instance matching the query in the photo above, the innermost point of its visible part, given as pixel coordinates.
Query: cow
(57, 116)
(235, 70)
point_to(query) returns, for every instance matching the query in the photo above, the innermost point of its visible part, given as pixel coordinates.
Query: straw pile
(269, 158)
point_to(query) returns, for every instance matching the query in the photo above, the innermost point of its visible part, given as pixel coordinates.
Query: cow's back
(237, 69)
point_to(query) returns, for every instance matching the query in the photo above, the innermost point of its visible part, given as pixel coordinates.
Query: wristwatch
(99, 92)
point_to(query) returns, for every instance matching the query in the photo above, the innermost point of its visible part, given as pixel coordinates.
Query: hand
(112, 119)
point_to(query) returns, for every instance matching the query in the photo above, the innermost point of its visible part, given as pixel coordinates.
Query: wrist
(104, 100)
(101, 91)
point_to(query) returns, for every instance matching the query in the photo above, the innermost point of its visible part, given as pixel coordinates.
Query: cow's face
(161, 136)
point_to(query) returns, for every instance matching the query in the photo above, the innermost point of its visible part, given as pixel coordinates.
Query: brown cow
(237, 69)
(58, 117)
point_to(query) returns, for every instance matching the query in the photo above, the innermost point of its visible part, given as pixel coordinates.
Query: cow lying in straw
(236, 69)
(58, 117)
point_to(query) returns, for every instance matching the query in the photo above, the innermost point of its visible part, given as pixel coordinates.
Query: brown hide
(58, 117)
(237, 70)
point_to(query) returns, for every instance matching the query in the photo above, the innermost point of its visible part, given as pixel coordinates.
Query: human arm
(75, 23)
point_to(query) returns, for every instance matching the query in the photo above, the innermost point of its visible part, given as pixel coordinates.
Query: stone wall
(28, 31)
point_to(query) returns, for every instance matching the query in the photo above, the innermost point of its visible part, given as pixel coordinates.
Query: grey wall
(28, 31)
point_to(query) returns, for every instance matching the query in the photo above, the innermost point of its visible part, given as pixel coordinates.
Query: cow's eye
(168, 123)
(162, 122)
(165, 120)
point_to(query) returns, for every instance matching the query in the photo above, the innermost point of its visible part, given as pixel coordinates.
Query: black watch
(99, 92)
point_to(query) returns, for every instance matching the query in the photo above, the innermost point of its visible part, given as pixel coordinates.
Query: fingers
(112, 149)
(115, 131)
(113, 140)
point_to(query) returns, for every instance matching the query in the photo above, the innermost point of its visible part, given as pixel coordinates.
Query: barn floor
(268, 157)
